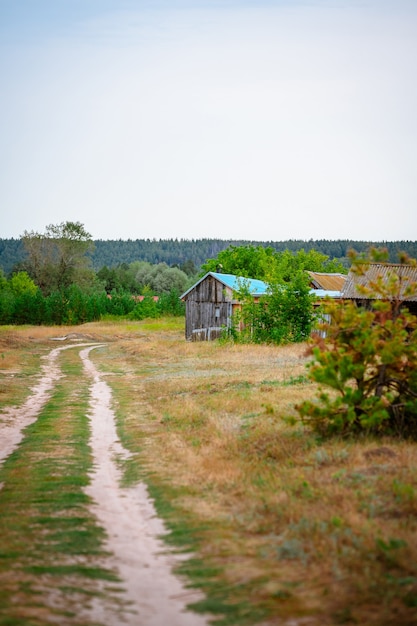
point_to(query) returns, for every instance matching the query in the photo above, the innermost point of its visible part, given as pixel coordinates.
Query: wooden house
(211, 302)
(407, 275)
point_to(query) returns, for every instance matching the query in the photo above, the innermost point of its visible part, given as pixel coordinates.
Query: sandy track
(156, 596)
(153, 595)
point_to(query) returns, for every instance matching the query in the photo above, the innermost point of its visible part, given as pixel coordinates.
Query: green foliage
(160, 278)
(7, 306)
(3, 281)
(81, 307)
(289, 264)
(284, 315)
(188, 267)
(170, 304)
(120, 304)
(368, 360)
(265, 263)
(189, 255)
(165, 304)
(246, 261)
(60, 288)
(20, 300)
(120, 278)
(21, 283)
(58, 257)
(67, 306)
(146, 308)
(74, 305)
(29, 308)
(136, 277)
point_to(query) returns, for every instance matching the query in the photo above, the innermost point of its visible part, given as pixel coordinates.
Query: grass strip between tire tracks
(51, 545)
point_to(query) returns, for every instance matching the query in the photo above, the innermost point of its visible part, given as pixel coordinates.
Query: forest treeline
(178, 252)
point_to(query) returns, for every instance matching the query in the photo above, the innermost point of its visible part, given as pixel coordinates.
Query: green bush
(170, 303)
(146, 308)
(285, 315)
(368, 360)
(7, 306)
(120, 304)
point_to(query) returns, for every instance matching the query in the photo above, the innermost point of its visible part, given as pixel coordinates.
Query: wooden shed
(407, 275)
(211, 302)
(327, 281)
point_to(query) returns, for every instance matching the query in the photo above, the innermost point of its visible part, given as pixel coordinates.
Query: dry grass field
(283, 528)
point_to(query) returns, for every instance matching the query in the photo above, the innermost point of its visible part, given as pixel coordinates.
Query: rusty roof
(375, 271)
(328, 282)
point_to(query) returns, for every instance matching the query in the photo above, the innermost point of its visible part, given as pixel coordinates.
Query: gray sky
(259, 120)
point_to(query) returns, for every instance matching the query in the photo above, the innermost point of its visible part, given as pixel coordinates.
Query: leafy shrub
(120, 303)
(368, 359)
(7, 306)
(147, 308)
(170, 303)
(283, 316)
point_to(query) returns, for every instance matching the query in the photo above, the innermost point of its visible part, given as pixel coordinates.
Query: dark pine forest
(177, 252)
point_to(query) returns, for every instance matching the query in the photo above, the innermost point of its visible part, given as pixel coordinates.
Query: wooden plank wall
(208, 309)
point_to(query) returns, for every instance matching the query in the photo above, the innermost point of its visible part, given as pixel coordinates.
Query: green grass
(47, 531)
(186, 534)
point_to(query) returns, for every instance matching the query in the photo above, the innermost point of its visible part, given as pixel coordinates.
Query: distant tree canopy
(49, 277)
(269, 265)
(141, 276)
(160, 278)
(55, 284)
(190, 254)
(58, 258)
(120, 278)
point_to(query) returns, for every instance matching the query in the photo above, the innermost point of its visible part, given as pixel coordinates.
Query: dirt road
(153, 595)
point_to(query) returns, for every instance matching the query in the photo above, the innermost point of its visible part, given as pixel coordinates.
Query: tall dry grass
(298, 526)
(297, 529)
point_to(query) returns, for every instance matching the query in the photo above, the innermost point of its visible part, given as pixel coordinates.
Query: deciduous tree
(56, 258)
(265, 263)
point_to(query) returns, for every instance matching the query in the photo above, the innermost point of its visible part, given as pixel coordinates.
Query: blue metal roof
(256, 287)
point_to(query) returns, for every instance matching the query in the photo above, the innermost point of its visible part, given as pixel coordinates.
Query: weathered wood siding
(208, 309)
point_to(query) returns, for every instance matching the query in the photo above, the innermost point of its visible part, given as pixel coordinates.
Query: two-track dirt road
(153, 595)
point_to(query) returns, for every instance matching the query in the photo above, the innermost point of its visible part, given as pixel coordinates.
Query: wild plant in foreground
(369, 358)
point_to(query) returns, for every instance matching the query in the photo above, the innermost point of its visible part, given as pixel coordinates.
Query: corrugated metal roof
(375, 271)
(256, 287)
(327, 281)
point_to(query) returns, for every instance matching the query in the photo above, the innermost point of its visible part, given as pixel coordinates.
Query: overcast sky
(232, 119)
